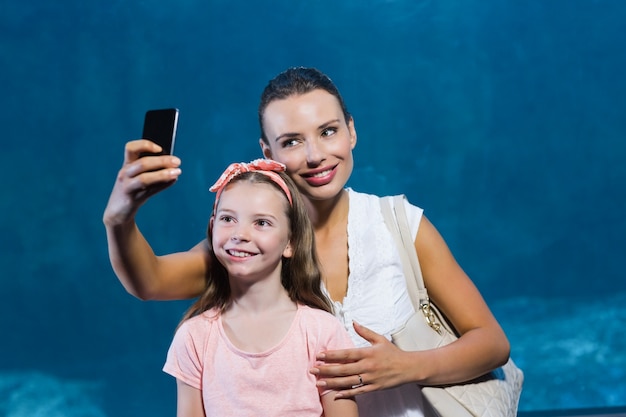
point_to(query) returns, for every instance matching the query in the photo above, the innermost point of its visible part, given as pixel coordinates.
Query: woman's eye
(329, 131)
(289, 143)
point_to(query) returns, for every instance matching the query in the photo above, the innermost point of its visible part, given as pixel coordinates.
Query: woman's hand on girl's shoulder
(359, 370)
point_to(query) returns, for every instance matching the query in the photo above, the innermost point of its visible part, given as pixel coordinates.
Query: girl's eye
(263, 222)
(226, 219)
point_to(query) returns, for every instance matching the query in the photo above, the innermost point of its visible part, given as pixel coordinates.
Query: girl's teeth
(239, 254)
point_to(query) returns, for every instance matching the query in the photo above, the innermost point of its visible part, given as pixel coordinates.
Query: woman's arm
(481, 347)
(143, 274)
(189, 403)
(339, 407)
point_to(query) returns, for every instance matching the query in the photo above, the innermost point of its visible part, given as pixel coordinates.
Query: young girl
(306, 126)
(246, 345)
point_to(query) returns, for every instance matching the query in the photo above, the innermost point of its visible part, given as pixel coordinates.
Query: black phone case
(160, 127)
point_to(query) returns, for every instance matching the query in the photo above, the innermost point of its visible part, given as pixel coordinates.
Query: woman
(306, 126)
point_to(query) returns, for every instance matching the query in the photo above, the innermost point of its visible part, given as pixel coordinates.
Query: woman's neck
(325, 215)
(330, 221)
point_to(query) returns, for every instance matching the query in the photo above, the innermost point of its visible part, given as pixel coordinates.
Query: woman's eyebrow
(286, 135)
(328, 123)
(295, 135)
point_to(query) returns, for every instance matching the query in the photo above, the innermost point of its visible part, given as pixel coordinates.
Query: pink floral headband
(266, 167)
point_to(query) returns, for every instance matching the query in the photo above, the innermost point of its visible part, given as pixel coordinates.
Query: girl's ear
(288, 251)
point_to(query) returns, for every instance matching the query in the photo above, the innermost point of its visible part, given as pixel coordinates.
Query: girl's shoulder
(323, 330)
(194, 332)
(200, 321)
(307, 310)
(315, 315)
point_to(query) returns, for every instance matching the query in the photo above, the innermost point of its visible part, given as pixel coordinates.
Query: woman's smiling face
(309, 134)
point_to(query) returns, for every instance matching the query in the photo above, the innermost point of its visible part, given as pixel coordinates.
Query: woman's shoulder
(363, 204)
(360, 195)
(373, 199)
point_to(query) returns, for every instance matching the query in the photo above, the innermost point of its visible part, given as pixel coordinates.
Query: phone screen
(160, 127)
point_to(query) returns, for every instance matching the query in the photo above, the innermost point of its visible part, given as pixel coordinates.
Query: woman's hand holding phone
(147, 170)
(138, 179)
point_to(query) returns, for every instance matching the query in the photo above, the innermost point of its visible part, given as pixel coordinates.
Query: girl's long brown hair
(300, 274)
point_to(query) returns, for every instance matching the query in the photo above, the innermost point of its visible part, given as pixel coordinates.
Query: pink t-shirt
(272, 383)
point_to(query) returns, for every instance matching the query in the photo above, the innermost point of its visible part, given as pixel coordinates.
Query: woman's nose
(314, 152)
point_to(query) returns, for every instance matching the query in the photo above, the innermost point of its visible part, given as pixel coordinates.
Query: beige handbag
(495, 394)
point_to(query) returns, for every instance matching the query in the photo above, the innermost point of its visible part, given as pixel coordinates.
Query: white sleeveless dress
(377, 297)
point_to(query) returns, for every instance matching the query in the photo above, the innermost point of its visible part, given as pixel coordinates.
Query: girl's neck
(258, 327)
(259, 298)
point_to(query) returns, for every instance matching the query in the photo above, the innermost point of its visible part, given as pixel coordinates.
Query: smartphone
(159, 126)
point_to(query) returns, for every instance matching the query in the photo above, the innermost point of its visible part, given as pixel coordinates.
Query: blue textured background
(504, 120)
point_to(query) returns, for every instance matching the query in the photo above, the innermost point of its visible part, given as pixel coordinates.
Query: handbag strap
(398, 225)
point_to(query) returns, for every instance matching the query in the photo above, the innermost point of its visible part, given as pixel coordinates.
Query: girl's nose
(239, 235)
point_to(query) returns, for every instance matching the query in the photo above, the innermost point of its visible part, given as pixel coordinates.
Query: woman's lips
(320, 177)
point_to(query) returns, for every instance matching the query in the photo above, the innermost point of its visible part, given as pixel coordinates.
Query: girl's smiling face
(251, 231)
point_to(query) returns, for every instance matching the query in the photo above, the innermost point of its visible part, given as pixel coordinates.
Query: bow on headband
(266, 167)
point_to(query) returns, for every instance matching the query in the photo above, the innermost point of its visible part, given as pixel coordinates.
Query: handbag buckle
(430, 317)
